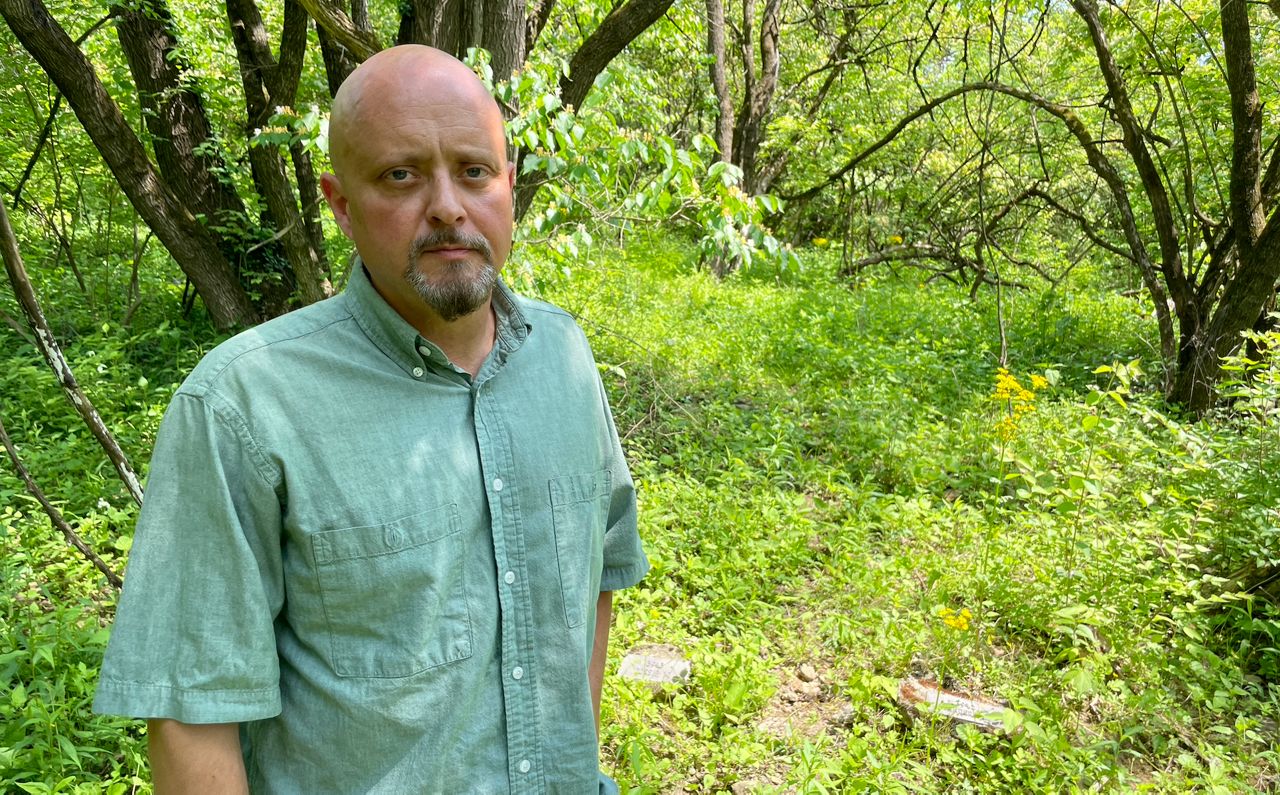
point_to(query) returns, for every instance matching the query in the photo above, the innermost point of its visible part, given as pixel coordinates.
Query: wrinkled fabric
(385, 570)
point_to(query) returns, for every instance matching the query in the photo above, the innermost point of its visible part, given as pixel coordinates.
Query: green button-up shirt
(384, 569)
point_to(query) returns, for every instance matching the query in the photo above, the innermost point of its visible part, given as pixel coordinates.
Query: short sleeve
(624, 561)
(193, 638)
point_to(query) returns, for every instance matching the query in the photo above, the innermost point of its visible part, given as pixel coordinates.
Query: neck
(467, 340)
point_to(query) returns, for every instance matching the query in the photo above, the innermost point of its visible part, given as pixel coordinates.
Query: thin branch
(48, 347)
(55, 516)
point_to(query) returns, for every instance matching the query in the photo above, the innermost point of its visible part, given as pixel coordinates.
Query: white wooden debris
(925, 699)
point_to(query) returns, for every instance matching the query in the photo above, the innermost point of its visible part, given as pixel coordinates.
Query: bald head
(422, 185)
(393, 77)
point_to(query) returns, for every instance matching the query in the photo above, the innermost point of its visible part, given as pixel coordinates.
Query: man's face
(424, 189)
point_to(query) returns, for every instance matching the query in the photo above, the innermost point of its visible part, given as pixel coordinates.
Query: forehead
(432, 108)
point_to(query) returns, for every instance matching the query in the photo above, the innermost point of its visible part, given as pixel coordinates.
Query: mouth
(450, 252)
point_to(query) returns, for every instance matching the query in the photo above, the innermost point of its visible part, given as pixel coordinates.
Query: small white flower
(102, 368)
(103, 504)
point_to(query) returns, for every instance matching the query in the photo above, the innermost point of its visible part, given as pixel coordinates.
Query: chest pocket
(393, 595)
(579, 511)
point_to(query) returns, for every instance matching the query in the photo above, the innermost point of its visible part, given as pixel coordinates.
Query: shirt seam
(217, 407)
(157, 686)
(207, 385)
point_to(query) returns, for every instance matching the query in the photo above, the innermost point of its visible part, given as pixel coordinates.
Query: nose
(444, 202)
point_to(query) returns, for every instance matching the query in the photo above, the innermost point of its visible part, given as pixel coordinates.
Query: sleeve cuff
(149, 700)
(618, 577)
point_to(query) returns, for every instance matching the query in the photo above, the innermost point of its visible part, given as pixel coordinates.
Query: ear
(331, 187)
(511, 175)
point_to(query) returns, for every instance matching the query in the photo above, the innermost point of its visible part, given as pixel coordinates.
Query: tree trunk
(338, 63)
(191, 245)
(503, 35)
(616, 31)
(537, 20)
(174, 113)
(1257, 240)
(437, 23)
(716, 58)
(359, 42)
(266, 86)
(749, 129)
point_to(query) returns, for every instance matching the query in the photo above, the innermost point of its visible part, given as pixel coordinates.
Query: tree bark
(537, 20)
(191, 245)
(338, 63)
(716, 65)
(503, 35)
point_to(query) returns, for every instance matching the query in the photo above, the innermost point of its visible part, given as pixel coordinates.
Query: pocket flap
(352, 543)
(568, 489)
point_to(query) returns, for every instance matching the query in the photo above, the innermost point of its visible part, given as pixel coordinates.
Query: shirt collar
(402, 343)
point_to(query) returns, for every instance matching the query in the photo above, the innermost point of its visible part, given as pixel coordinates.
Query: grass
(823, 482)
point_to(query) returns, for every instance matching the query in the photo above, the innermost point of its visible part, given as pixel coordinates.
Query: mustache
(450, 238)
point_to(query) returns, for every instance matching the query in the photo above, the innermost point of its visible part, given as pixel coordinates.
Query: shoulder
(544, 317)
(259, 348)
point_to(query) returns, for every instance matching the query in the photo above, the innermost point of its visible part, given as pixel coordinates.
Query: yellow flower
(955, 620)
(1017, 401)
(820, 241)
(1039, 382)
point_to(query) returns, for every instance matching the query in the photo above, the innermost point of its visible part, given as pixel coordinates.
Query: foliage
(602, 172)
(824, 480)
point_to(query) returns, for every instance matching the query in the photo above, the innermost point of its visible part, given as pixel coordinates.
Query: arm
(190, 758)
(600, 650)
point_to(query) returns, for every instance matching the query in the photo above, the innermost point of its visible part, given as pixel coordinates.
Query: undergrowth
(841, 477)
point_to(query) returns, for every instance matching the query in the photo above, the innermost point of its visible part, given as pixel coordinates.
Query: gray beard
(463, 287)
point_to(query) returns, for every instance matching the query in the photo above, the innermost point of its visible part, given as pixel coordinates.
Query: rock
(809, 691)
(807, 673)
(925, 699)
(843, 718)
(655, 665)
(744, 787)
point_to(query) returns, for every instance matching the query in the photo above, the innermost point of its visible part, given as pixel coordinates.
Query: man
(381, 532)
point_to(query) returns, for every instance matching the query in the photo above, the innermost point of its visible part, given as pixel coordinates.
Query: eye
(398, 174)
(475, 172)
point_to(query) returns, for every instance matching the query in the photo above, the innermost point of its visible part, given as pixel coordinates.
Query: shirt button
(509, 577)
(524, 765)
(417, 372)
(497, 484)
(425, 351)
(517, 673)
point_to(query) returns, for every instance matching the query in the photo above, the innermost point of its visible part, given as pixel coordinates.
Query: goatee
(458, 288)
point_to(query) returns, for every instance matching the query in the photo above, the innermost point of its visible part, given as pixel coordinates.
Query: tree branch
(55, 516)
(360, 43)
(48, 347)
(616, 31)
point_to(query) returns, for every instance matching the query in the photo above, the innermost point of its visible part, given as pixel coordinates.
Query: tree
(245, 268)
(173, 222)
(1209, 266)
